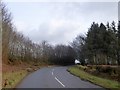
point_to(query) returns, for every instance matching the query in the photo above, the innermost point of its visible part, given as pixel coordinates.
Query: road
(54, 77)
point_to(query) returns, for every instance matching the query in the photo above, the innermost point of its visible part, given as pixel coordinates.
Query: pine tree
(118, 51)
(92, 42)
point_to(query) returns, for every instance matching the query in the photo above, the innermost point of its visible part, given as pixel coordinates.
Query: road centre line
(60, 82)
(58, 79)
(52, 73)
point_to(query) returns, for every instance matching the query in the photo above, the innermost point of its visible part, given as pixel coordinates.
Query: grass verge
(94, 79)
(11, 79)
(11, 76)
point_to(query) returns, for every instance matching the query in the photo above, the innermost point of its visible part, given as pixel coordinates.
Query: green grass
(13, 78)
(94, 79)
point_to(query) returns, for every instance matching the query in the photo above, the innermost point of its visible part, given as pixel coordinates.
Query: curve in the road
(54, 77)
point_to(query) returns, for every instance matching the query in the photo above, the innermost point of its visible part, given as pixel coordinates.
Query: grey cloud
(60, 35)
(77, 12)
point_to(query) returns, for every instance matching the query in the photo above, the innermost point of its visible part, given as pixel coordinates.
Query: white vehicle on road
(77, 61)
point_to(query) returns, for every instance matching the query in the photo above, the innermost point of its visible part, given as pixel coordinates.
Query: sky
(59, 22)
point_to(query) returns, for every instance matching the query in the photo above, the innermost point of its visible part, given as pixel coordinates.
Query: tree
(6, 30)
(64, 55)
(118, 45)
(92, 42)
(100, 44)
(79, 47)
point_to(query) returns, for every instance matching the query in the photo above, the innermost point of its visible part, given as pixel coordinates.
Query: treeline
(17, 48)
(101, 45)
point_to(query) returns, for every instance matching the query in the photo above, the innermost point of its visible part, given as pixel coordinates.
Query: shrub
(107, 69)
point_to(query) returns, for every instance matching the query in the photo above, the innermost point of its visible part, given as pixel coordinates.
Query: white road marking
(52, 73)
(59, 82)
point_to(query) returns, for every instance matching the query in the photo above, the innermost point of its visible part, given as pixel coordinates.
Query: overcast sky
(59, 22)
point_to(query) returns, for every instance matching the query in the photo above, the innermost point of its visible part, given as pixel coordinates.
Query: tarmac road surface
(54, 77)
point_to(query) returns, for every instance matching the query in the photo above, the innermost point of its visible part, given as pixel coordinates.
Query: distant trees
(78, 45)
(100, 46)
(20, 48)
(64, 55)
(17, 48)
